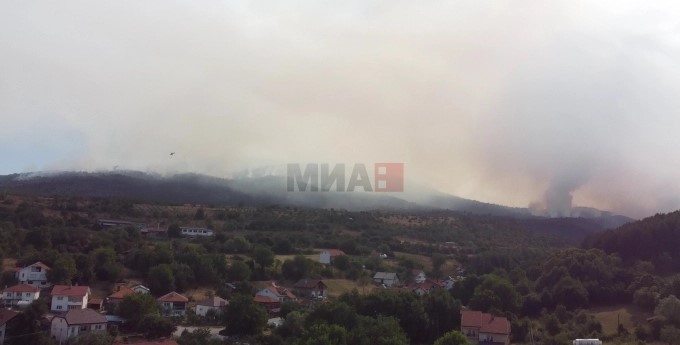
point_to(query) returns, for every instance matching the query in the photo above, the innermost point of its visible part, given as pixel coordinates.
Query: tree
(63, 270)
(452, 338)
(161, 279)
(438, 260)
(135, 306)
(93, 338)
(325, 334)
(200, 214)
(298, 268)
(156, 326)
(263, 256)
(443, 312)
(238, 271)
(199, 336)
(669, 310)
(379, 331)
(670, 334)
(174, 231)
(244, 317)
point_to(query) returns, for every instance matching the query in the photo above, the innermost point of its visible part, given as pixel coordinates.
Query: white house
(327, 256)
(34, 275)
(419, 276)
(75, 322)
(276, 292)
(483, 328)
(5, 317)
(386, 278)
(67, 297)
(212, 303)
(186, 231)
(173, 304)
(20, 295)
(141, 289)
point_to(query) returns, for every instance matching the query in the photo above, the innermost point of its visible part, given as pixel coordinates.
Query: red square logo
(389, 177)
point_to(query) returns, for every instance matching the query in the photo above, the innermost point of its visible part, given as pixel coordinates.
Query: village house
(447, 283)
(386, 278)
(115, 298)
(271, 304)
(6, 317)
(67, 297)
(424, 288)
(34, 275)
(216, 304)
(193, 232)
(20, 295)
(483, 328)
(276, 292)
(310, 288)
(141, 289)
(419, 276)
(328, 255)
(173, 304)
(75, 322)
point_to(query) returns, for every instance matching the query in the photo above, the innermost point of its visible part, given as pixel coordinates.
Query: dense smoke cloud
(559, 103)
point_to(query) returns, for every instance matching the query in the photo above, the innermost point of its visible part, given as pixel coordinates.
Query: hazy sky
(510, 102)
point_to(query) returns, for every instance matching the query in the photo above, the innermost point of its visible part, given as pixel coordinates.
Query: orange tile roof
(265, 299)
(6, 315)
(22, 288)
(173, 297)
(213, 302)
(120, 294)
(68, 290)
(486, 323)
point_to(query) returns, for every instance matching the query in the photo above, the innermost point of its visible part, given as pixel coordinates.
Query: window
(59, 298)
(58, 307)
(83, 328)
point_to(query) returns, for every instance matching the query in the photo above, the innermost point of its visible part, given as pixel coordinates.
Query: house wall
(472, 333)
(203, 310)
(498, 338)
(420, 277)
(11, 298)
(35, 279)
(173, 308)
(325, 257)
(63, 303)
(2, 333)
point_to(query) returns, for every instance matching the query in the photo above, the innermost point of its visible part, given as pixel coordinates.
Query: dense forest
(550, 292)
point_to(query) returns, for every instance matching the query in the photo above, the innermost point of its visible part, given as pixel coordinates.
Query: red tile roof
(120, 294)
(213, 302)
(265, 299)
(6, 315)
(280, 291)
(486, 323)
(173, 297)
(334, 252)
(68, 290)
(22, 288)
(82, 317)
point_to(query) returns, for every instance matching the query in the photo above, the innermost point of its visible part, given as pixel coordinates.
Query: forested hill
(655, 239)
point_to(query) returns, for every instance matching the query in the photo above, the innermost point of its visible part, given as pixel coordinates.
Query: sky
(541, 103)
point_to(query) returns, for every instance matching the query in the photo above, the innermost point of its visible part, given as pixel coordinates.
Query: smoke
(564, 102)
